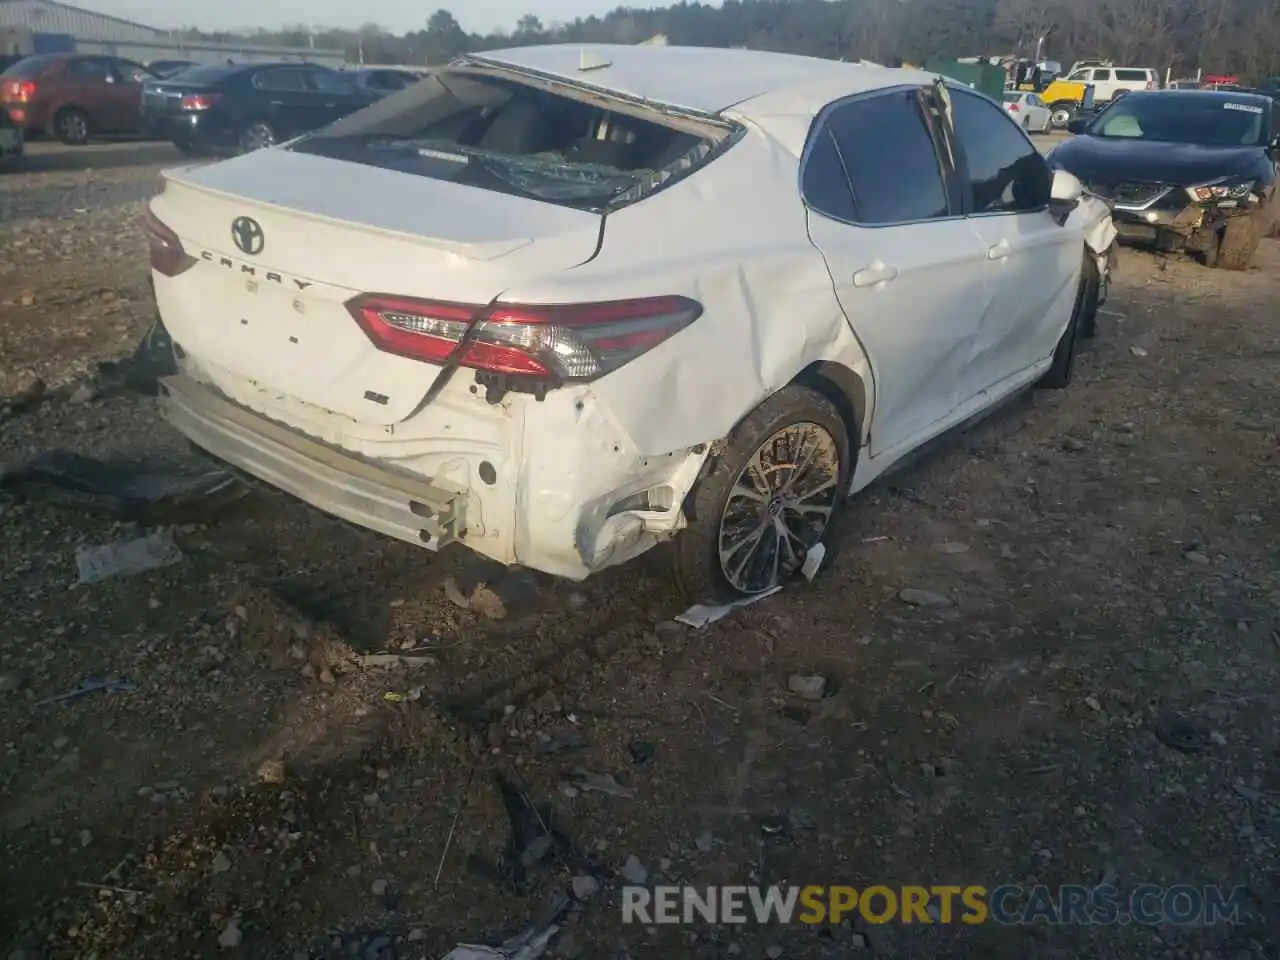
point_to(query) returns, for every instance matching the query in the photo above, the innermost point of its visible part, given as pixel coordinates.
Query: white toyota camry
(561, 304)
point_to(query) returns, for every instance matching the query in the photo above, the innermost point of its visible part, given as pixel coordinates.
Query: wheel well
(845, 390)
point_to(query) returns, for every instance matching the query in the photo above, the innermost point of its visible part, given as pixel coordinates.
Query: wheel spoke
(751, 542)
(743, 492)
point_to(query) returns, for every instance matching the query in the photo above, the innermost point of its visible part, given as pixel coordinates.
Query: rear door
(91, 85)
(1031, 263)
(906, 266)
(286, 101)
(337, 94)
(127, 90)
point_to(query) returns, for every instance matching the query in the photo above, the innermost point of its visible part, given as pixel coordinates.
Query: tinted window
(330, 82)
(1207, 119)
(825, 186)
(390, 80)
(285, 80)
(128, 72)
(890, 158)
(1101, 75)
(29, 68)
(208, 74)
(1007, 174)
(89, 70)
(1131, 75)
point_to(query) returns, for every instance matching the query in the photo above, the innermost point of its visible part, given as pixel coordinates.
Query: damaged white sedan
(563, 304)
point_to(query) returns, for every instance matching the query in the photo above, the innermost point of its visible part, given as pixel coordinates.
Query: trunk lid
(273, 309)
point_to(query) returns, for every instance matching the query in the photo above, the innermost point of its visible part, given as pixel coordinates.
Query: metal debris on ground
(92, 685)
(529, 945)
(601, 783)
(393, 660)
(124, 558)
(703, 614)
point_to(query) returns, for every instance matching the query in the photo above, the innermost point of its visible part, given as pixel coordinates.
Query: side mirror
(1077, 125)
(1064, 195)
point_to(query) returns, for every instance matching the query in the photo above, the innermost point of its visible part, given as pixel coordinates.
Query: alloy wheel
(257, 136)
(778, 507)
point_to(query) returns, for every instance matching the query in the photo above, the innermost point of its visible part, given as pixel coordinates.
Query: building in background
(48, 26)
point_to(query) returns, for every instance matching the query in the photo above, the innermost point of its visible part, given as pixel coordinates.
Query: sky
(476, 16)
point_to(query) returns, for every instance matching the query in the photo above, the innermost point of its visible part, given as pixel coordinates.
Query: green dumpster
(983, 77)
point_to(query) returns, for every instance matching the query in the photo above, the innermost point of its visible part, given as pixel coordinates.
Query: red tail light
(199, 101)
(1151, 84)
(17, 91)
(1014, 108)
(580, 341)
(167, 256)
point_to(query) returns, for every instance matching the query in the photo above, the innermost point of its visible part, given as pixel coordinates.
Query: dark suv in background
(73, 96)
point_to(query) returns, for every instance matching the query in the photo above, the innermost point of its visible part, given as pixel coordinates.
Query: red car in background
(73, 96)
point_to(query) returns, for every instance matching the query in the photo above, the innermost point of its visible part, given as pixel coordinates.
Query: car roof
(704, 79)
(1234, 95)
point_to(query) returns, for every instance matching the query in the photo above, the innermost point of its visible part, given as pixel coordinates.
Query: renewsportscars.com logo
(1009, 904)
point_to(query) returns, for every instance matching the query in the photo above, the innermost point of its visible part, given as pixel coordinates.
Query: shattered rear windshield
(499, 135)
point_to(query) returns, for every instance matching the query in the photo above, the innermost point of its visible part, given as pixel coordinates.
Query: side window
(1101, 75)
(890, 159)
(129, 72)
(824, 184)
(90, 70)
(1079, 75)
(325, 81)
(1006, 172)
(281, 80)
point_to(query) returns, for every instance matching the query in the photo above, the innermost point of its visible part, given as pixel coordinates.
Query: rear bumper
(413, 509)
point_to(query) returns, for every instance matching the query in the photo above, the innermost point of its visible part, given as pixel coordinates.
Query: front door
(906, 266)
(1031, 263)
(287, 102)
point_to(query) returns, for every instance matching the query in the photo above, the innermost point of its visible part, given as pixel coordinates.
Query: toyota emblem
(247, 233)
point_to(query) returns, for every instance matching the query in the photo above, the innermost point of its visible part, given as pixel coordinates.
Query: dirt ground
(1110, 554)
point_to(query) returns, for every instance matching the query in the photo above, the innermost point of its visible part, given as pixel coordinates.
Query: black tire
(1239, 243)
(1212, 251)
(1058, 376)
(71, 126)
(1092, 294)
(697, 565)
(1056, 120)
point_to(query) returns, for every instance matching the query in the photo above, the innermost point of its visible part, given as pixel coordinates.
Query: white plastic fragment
(702, 614)
(813, 560)
(124, 558)
(530, 945)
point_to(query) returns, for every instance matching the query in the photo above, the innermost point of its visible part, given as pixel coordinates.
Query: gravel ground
(1108, 560)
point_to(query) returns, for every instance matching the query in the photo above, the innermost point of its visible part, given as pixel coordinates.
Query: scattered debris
(923, 598)
(394, 660)
(702, 614)
(231, 936)
(130, 489)
(92, 685)
(529, 945)
(221, 864)
(585, 887)
(1137, 351)
(809, 688)
(813, 561)
(125, 558)
(642, 752)
(271, 771)
(953, 547)
(633, 871)
(601, 783)
(1181, 734)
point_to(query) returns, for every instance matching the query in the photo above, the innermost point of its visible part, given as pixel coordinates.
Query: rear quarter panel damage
(733, 237)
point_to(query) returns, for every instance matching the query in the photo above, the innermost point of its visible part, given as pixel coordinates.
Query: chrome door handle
(999, 251)
(877, 272)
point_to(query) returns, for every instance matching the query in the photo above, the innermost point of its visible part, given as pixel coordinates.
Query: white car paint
(1028, 111)
(278, 378)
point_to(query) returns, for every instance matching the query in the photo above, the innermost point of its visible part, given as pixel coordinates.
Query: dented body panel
(588, 474)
